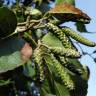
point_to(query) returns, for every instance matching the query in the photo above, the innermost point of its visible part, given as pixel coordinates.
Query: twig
(23, 28)
(83, 51)
(32, 21)
(24, 23)
(28, 21)
(33, 42)
(80, 47)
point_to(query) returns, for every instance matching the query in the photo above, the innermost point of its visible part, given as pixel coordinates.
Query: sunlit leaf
(32, 11)
(52, 40)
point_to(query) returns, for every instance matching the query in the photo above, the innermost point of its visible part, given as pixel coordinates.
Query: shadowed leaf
(4, 82)
(61, 90)
(81, 27)
(8, 22)
(44, 7)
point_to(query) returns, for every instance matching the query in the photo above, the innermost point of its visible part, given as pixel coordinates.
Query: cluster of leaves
(37, 56)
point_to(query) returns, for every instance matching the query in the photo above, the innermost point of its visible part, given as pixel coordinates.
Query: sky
(88, 6)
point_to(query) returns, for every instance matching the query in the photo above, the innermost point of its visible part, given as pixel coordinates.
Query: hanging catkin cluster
(78, 37)
(60, 34)
(58, 58)
(38, 54)
(43, 55)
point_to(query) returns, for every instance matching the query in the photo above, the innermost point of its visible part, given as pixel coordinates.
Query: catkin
(78, 37)
(65, 52)
(61, 35)
(39, 61)
(61, 71)
(65, 62)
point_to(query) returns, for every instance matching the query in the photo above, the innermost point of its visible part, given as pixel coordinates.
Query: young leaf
(34, 13)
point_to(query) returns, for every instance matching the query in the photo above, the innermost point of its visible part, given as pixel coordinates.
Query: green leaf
(8, 22)
(51, 40)
(47, 89)
(61, 90)
(32, 11)
(81, 27)
(76, 63)
(10, 55)
(28, 70)
(65, 1)
(4, 82)
(39, 33)
(44, 7)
